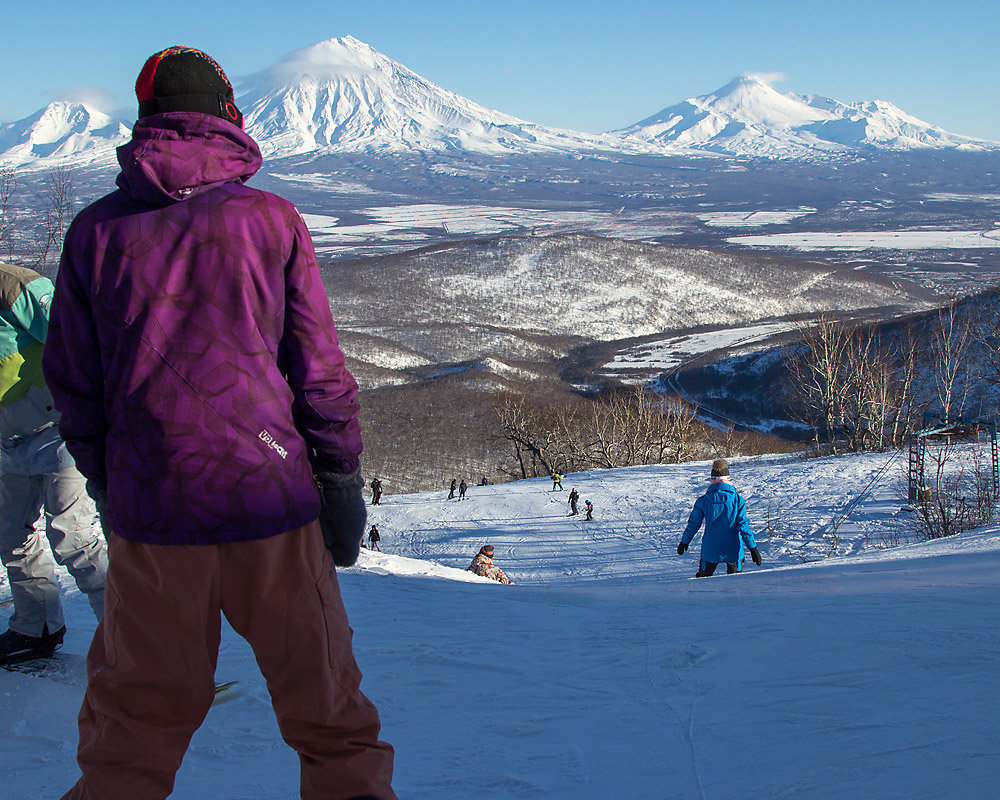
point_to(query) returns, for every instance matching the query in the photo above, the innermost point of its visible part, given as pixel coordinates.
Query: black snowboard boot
(15, 647)
(706, 569)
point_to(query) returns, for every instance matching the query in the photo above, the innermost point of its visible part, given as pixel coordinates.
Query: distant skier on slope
(376, 491)
(452, 488)
(374, 537)
(462, 488)
(483, 565)
(724, 512)
(574, 497)
(590, 510)
(557, 481)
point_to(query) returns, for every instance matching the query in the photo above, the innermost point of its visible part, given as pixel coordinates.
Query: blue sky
(590, 66)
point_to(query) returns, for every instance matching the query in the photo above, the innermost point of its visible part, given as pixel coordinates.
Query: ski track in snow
(607, 671)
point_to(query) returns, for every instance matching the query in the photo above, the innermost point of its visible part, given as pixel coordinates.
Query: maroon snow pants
(151, 665)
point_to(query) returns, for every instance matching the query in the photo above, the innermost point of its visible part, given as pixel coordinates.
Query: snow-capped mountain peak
(333, 58)
(344, 95)
(749, 117)
(63, 129)
(751, 100)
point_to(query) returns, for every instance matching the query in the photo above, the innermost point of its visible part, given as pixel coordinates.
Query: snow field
(863, 240)
(607, 671)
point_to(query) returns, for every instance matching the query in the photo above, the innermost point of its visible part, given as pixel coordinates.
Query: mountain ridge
(343, 96)
(749, 117)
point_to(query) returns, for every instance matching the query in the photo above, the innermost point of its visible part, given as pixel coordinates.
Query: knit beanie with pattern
(185, 79)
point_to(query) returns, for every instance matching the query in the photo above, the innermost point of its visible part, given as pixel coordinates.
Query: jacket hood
(176, 155)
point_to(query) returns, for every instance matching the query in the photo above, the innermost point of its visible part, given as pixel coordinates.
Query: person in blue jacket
(724, 512)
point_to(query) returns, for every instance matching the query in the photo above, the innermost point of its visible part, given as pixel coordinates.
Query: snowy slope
(608, 672)
(748, 117)
(343, 95)
(70, 133)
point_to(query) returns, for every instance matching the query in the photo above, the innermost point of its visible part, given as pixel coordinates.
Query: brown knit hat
(720, 469)
(487, 550)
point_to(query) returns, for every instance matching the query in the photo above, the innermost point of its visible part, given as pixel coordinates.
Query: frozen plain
(607, 671)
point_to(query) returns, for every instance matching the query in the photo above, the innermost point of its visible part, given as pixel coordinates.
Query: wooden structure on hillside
(919, 491)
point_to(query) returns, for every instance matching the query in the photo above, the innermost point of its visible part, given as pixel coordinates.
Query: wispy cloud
(90, 95)
(767, 77)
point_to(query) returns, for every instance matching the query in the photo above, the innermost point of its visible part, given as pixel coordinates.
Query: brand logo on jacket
(268, 439)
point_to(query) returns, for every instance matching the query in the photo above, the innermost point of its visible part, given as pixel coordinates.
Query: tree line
(869, 386)
(618, 427)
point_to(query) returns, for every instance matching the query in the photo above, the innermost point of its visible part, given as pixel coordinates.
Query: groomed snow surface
(607, 671)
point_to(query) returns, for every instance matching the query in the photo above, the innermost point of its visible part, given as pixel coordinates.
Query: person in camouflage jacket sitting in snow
(483, 565)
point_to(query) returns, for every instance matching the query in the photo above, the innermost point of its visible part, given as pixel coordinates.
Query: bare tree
(816, 370)
(962, 493)
(906, 410)
(616, 429)
(520, 424)
(59, 198)
(988, 337)
(859, 386)
(680, 431)
(950, 345)
(8, 188)
(878, 391)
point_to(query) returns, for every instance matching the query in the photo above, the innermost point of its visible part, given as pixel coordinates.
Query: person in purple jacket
(204, 396)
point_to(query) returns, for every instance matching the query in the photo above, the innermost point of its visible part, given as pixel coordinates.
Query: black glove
(343, 514)
(755, 555)
(99, 495)
(681, 548)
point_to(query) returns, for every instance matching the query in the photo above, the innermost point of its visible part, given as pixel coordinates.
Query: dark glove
(681, 549)
(755, 555)
(343, 514)
(99, 494)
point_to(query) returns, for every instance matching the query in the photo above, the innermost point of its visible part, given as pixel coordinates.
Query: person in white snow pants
(38, 474)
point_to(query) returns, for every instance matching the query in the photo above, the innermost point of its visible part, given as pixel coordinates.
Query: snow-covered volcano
(343, 95)
(63, 130)
(749, 117)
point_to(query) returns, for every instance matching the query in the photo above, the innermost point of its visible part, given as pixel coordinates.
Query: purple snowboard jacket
(191, 349)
